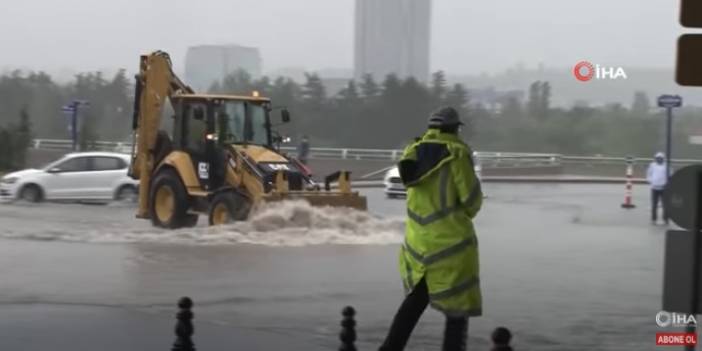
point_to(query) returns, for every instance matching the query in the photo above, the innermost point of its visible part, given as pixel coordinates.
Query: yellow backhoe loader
(221, 159)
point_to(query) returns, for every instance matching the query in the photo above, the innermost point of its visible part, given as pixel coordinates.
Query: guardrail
(487, 159)
(349, 154)
(620, 160)
(322, 153)
(67, 145)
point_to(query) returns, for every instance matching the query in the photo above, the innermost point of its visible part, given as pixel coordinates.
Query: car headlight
(9, 180)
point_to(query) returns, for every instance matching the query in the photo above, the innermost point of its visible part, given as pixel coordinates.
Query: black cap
(445, 116)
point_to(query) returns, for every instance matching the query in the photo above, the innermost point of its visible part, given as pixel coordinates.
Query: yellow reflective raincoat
(443, 197)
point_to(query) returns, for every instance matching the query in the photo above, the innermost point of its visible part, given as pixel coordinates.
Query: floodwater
(562, 266)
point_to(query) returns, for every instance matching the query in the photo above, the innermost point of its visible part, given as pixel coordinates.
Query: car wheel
(227, 207)
(127, 193)
(31, 193)
(168, 201)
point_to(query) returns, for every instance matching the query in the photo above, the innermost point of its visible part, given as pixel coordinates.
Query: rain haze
(82, 35)
(524, 168)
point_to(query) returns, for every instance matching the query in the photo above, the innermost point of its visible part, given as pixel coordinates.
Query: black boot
(406, 318)
(455, 334)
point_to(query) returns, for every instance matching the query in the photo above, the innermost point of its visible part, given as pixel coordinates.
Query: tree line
(107, 116)
(31, 106)
(389, 114)
(365, 114)
(15, 139)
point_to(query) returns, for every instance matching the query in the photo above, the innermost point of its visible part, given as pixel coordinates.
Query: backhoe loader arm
(154, 84)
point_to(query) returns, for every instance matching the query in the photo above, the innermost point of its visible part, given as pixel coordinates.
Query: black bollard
(184, 328)
(348, 330)
(501, 338)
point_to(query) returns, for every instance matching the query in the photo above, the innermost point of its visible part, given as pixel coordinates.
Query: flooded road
(561, 265)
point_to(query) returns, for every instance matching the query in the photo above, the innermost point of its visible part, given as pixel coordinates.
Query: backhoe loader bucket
(322, 199)
(344, 197)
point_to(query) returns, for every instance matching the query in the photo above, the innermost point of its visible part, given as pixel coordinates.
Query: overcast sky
(468, 36)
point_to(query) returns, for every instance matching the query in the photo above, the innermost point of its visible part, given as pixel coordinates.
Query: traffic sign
(68, 108)
(669, 101)
(695, 139)
(680, 196)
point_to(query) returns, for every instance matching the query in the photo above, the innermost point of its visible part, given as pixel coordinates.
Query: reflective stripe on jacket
(443, 196)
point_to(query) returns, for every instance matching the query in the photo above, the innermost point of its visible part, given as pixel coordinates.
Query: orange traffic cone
(629, 174)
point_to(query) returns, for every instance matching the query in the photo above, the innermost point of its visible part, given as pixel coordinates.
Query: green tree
(263, 86)
(22, 139)
(438, 87)
(349, 96)
(369, 88)
(457, 97)
(87, 135)
(313, 91)
(641, 106)
(7, 147)
(511, 107)
(237, 83)
(285, 92)
(534, 103)
(545, 99)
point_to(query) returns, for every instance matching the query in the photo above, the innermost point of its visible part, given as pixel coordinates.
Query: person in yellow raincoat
(439, 258)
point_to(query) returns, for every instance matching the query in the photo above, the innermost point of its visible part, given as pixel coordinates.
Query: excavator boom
(154, 84)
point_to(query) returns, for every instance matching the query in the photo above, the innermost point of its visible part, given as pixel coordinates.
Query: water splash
(292, 223)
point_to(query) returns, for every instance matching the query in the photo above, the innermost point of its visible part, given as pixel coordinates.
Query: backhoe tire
(190, 220)
(168, 201)
(229, 206)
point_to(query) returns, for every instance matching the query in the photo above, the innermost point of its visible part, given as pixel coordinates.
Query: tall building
(392, 36)
(206, 64)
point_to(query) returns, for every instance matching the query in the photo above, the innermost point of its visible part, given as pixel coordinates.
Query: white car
(76, 176)
(393, 183)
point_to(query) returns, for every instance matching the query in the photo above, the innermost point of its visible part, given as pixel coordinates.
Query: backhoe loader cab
(220, 159)
(223, 119)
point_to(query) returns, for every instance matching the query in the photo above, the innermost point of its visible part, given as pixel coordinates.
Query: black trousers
(657, 196)
(455, 332)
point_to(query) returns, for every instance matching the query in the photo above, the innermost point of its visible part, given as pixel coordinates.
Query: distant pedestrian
(657, 177)
(439, 257)
(303, 150)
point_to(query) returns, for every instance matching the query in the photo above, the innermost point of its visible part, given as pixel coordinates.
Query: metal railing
(600, 160)
(349, 154)
(67, 145)
(487, 159)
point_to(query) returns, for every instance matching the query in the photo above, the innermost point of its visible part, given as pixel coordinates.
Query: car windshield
(242, 122)
(53, 163)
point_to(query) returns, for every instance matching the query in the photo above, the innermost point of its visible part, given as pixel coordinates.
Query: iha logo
(666, 319)
(585, 71)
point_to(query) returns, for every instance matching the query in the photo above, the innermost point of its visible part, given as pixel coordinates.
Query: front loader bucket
(344, 197)
(322, 198)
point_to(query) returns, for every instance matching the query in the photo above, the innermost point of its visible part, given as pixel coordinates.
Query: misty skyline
(467, 37)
